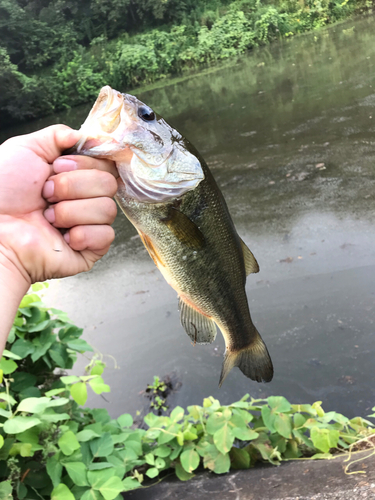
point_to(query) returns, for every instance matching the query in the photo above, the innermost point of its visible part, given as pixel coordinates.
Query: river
(289, 133)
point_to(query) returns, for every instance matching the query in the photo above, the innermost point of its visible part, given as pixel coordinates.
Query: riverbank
(306, 480)
(72, 71)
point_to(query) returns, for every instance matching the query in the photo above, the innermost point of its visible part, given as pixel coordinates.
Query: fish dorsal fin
(251, 265)
(200, 328)
(184, 229)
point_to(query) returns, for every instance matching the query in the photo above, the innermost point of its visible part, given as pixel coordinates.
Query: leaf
(6, 490)
(29, 299)
(324, 439)
(98, 386)
(162, 451)
(111, 488)
(1, 441)
(130, 483)
(125, 420)
(50, 416)
(181, 473)
(20, 424)
(70, 379)
(268, 418)
(79, 345)
(240, 459)
(62, 492)
(279, 404)
(22, 348)
(68, 443)
(159, 463)
(214, 422)
(39, 326)
(283, 425)
(152, 472)
(100, 466)
(79, 393)
(77, 472)
(92, 495)
(99, 477)
(11, 355)
(54, 469)
(23, 449)
(189, 460)
(244, 434)
(8, 398)
(33, 405)
(54, 392)
(223, 438)
(98, 368)
(150, 459)
(103, 446)
(298, 420)
(217, 462)
(36, 287)
(177, 414)
(86, 435)
(22, 380)
(168, 434)
(8, 366)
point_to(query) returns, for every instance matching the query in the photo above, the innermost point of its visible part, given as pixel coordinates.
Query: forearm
(13, 287)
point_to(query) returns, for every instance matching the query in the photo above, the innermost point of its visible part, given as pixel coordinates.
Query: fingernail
(49, 188)
(63, 165)
(49, 214)
(67, 237)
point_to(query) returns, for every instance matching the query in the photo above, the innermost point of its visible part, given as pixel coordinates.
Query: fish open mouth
(103, 119)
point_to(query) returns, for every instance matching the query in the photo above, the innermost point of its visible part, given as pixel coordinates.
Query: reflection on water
(288, 132)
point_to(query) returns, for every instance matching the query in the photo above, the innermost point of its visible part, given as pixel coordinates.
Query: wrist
(13, 286)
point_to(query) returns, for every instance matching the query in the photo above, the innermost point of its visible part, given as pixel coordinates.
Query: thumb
(50, 142)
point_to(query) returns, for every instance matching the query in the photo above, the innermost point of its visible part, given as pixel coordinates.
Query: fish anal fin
(151, 249)
(184, 229)
(200, 328)
(251, 264)
(253, 360)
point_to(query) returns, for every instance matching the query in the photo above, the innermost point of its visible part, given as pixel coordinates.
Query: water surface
(288, 132)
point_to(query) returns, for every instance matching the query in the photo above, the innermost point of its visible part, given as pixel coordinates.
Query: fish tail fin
(253, 360)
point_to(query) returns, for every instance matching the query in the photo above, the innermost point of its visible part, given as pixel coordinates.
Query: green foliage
(58, 53)
(51, 447)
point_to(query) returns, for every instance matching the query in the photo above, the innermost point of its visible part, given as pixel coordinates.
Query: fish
(168, 193)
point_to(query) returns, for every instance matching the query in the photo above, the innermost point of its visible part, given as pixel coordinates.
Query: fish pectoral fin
(201, 329)
(184, 229)
(251, 265)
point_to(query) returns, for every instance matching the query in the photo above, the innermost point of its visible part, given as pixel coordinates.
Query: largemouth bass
(168, 193)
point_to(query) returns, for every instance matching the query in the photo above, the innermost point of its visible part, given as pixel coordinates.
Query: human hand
(80, 191)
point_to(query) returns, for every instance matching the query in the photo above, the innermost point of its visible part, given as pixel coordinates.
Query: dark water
(289, 133)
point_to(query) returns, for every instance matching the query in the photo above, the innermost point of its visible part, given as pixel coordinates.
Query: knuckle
(62, 214)
(109, 208)
(78, 236)
(109, 184)
(62, 187)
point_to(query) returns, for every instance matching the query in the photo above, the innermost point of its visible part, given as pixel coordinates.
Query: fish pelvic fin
(251, 264)
(253, 360)
(200, 328)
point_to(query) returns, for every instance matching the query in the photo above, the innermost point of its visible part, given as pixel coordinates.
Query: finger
(50, 142)
(79, 184)
(67, 214)
(96, 238)
(80, 162)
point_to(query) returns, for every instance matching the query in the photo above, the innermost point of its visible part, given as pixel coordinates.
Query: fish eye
(146, 113)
